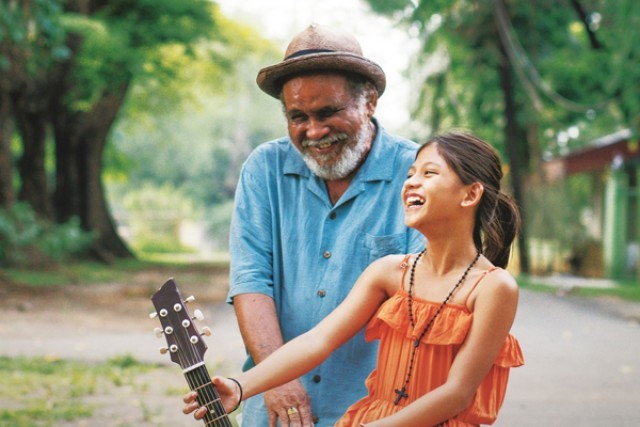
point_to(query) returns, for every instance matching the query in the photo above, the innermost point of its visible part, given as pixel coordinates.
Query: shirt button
(327, 254)
(315, 419)
(322, 293)
(316, 378)
(332, 215)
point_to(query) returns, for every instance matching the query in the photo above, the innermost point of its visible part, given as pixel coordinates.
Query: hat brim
(270, 79)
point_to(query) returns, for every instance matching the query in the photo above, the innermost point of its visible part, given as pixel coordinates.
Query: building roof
(601, 153)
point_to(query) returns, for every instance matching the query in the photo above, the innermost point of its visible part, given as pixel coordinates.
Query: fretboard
(200, 381)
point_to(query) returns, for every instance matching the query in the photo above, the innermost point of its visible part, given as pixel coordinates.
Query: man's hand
(290, 404)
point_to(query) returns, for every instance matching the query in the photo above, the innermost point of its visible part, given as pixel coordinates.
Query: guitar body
(186, 348)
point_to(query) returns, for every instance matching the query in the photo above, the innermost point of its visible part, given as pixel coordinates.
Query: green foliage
(569, 72)
(219, 221)
(122, 39)
(194, 132)
(564, 205)
(389, 6)
(25, 240)
(31, 38)
(154, 217)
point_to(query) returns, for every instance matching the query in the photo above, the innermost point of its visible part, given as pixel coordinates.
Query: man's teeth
(324, 142)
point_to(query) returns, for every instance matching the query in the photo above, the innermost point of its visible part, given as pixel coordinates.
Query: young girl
(442, 316)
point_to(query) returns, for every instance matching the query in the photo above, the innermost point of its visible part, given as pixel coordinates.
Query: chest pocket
(379, 246)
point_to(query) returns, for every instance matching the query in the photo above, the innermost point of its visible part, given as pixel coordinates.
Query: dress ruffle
(391, 325)
(394, 314)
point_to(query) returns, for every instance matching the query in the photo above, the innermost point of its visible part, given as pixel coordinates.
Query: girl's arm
(493, 314)
(308, 350)
(303, 353)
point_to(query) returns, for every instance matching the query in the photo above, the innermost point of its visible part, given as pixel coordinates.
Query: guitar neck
(199, 380)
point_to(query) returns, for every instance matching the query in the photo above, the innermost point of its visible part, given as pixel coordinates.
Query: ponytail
(496, 229)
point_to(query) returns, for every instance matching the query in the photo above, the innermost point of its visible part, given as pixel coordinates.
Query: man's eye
(297, 118)
(325, 113)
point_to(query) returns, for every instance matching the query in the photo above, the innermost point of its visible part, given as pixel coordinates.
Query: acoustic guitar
(186, 348)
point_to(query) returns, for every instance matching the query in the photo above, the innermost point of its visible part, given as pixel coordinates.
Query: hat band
(307, 52)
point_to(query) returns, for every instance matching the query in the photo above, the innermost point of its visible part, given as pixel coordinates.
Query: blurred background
(124, 124)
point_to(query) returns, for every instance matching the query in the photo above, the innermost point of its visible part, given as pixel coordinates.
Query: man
(311, 212)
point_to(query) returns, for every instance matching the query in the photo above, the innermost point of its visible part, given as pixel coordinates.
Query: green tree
(521, 73)
(66, 69)
(195, 133)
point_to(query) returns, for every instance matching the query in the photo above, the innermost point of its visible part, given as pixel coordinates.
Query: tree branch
(595, 43)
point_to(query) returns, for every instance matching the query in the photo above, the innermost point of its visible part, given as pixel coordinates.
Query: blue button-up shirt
(289, 242)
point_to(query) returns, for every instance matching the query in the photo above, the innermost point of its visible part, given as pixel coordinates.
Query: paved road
(582, 358)
(582, 364)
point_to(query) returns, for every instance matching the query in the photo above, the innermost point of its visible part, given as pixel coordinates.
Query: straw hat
(318, 48)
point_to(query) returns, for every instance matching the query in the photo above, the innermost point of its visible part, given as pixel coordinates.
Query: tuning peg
(163, 350)
(206, 331)
(190, 299)
(158, 332)
(197, 314)
(153, 315)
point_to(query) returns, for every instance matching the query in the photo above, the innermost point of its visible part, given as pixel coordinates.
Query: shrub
(27, 241)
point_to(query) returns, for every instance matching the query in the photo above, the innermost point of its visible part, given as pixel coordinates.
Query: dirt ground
(97, 322)
(93, 323)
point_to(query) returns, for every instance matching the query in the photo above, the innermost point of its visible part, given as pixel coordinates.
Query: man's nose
(316, 129)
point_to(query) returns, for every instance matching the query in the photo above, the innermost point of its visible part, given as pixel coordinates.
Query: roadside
(564, 284)
(94, 323)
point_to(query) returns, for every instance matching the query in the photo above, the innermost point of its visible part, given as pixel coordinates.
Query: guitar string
(207, 391)
(190, 357)
(201, 374)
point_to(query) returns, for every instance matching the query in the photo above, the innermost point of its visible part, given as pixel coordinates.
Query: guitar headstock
(184, 343)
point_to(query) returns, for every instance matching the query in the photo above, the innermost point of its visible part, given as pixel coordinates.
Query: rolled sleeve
(251, 236)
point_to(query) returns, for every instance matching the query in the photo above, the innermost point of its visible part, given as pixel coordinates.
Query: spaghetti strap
(482, 276)
(403, 265)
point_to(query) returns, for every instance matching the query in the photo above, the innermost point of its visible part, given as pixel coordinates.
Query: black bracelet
(239, 400)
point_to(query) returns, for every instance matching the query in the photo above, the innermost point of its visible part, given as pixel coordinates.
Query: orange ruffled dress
(437, 350)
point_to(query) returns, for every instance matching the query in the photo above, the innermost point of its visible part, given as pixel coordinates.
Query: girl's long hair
(497, 216)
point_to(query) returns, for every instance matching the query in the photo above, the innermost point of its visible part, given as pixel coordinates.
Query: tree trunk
(80, 142)
(31, 120)
(66, 198)
(7, 196)
(513, 151)
(80, 139)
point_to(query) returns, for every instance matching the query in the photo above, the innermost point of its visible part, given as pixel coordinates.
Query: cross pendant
(401, 393)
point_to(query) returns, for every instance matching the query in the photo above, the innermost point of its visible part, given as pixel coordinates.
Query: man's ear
(473, 194)
(372, 103)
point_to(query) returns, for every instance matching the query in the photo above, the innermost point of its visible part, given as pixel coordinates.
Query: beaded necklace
(402, 393)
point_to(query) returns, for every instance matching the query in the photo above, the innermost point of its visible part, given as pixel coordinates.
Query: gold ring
(292, 411)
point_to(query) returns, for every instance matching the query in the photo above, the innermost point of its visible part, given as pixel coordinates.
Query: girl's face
(432, 193)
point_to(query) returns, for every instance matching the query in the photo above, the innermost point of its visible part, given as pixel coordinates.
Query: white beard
(348, 160)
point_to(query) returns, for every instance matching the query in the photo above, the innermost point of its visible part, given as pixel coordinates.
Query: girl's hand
(228, 390)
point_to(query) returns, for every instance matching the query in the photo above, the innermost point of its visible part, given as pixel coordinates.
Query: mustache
(329, 139)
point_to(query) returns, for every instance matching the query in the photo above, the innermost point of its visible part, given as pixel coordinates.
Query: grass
(628, 290)
(48, 392)
(119, 271)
